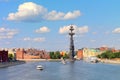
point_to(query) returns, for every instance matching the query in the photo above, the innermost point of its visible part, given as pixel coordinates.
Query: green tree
(10, 56)
(109, 55)
(52, 55)
(57, 55)
(117, 54)
(99, 56)
(104, 55)
(66, 56)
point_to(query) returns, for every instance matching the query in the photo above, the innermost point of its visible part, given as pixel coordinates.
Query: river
(78, 70)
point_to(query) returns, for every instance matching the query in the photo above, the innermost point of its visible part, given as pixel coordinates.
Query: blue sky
(44, 24)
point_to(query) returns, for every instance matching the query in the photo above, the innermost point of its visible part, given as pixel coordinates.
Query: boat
(63, 61)
(39, 67)
(92, 59)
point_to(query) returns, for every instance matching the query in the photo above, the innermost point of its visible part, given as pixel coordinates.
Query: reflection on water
(78, 70)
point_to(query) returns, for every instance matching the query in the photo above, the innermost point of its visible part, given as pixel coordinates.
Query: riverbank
(110, 61)
(38, 60)
(8, 64)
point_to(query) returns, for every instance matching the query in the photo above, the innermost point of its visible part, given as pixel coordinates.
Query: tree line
(57, 55)
(109, 55)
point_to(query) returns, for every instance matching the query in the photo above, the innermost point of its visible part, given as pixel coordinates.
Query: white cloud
(2, 29)
(39, 39)
(43, 29)
(54, 15)
(78, 30)
(28, 11)
(27, 39)
(33, 12)
(72, 15)
(64, 29)
(104, 45)
(92, 40)
(117, 30)
(7, 33)
(34, 39)
(82, 30)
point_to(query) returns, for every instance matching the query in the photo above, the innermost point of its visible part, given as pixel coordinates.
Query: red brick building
(20, 54)
(31, 54)
(103, 48)
(3, 56)
(80, 54)
(106, 49)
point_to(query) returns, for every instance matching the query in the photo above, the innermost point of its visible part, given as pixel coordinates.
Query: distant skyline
(44, 24)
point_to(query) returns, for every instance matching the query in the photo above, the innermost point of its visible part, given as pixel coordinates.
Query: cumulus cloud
(117, 30)
(7, 33)
(34, 39)
(72, 15)
(28, 11)
(43, 29)
(78, 30)
(54, 15)
(33, 12)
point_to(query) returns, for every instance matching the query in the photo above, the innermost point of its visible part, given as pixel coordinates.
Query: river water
(78, 70)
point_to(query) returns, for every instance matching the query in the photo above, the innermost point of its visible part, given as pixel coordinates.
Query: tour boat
(39, 67)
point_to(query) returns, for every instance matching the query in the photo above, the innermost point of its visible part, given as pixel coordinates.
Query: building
(3, 56)
(80, 54)
(20, 54)
(31, 54)
(90, 52)
(104, 49)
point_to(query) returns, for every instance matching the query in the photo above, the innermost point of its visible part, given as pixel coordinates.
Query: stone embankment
(38, 60)
(8, 64)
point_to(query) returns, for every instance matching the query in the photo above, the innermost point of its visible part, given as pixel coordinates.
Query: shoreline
(23, 61)
(37, 60)
(9, 64)
(109, 61)
(42, 60)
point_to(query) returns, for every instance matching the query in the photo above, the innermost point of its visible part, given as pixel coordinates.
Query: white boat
(63, 61)
(39, 67)
(92, 59)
